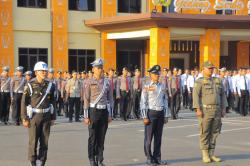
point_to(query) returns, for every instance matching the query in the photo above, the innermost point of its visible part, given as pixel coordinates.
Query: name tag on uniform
(150, 88)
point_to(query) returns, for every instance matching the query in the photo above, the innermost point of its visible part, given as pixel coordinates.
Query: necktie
(127, 84)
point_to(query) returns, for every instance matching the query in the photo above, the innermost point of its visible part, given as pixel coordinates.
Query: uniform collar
(153, 83)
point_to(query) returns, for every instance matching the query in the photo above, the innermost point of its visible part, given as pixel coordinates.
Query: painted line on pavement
(223, 131)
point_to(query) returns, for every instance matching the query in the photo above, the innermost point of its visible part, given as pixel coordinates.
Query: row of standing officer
(11, 90)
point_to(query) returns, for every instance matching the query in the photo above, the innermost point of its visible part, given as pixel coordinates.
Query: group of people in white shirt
(236, 84)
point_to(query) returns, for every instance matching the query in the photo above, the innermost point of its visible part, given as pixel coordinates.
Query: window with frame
(29, 56)
(82, 5)
(32, 3)
(80, 59)
(129, 6)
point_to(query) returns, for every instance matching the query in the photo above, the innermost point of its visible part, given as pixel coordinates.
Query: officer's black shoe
(160, 162)
(93, 163)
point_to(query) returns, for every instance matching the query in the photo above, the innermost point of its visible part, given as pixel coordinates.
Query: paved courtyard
(124, 143)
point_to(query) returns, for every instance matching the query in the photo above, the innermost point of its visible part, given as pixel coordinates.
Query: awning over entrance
(145, 21)
(159, 29)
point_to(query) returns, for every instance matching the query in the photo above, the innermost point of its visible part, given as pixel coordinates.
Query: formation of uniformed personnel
(5, 95)
(243, 91)
(37, 113)
(97, 112)
(174, 85)
(209, 101)
(154, 110)
(123, 92)
(136, 93)
(73, 92)
(17, 86)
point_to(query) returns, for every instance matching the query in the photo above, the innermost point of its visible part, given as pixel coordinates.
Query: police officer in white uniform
(154, 111)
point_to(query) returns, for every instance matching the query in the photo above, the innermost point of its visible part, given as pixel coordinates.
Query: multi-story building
(68, 34)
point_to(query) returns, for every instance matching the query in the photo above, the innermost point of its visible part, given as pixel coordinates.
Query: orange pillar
(243, 54)
(210, 47)
(108, 47)
(109, 8)
(151, 6)
(245, 9)
(6, 35)
(60, 35)
(159, 47)
(108, 52)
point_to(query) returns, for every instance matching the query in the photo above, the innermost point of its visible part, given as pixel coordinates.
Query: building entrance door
(129, 59)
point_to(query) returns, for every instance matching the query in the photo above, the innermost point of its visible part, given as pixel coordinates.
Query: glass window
(129, 6)
(29, 56)
(89, 60)
(82, 5)
(33, 51)
(32, 3)
(73, 63)
(23, 59)
(21, 3)
(80, 59)
(43, 51)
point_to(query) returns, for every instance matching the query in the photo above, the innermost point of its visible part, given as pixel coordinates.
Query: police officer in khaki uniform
(209, 101)
(17, 86)
(73, 91)
(5, 95)
(154, 110)
(37, 113)
(97, 112)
